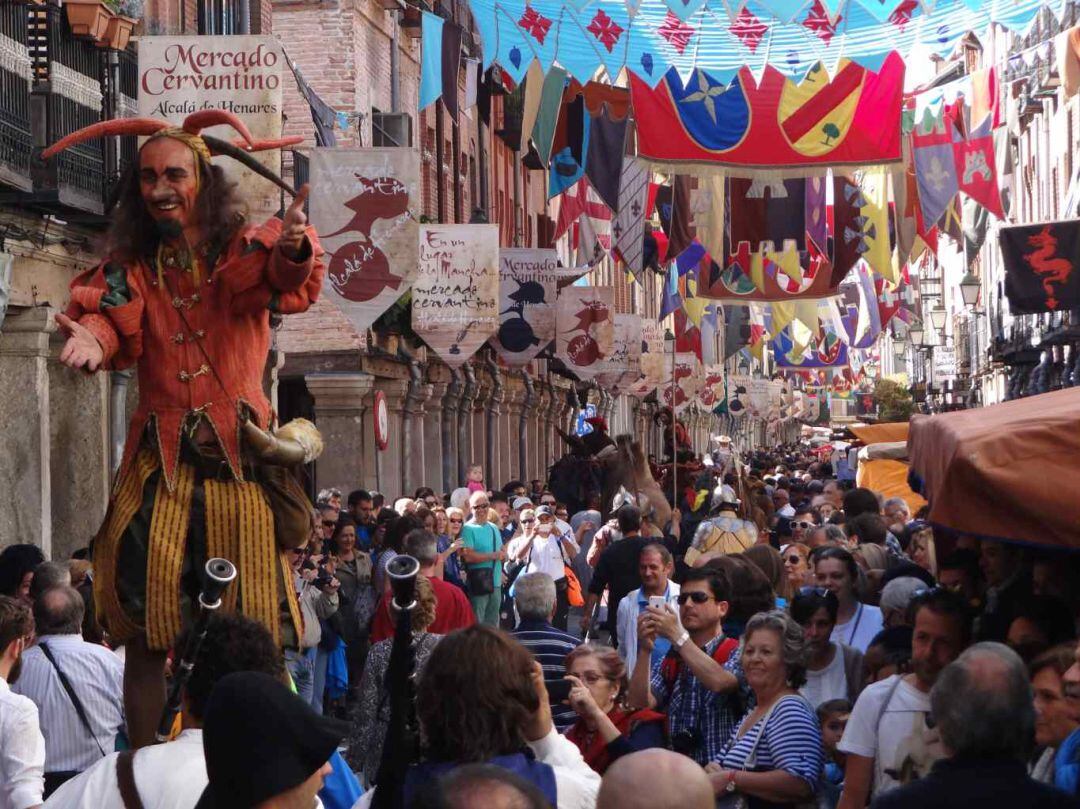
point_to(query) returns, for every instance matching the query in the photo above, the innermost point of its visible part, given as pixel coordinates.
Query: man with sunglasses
(697, 682)
(802, 524)
(484, 548)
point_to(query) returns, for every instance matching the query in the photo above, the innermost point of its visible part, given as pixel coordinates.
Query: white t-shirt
(897, 738)
(828, 683)
(860, 629)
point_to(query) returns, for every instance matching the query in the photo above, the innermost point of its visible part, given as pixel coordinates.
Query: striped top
(791, 742)
(97, 678)
(550, 646)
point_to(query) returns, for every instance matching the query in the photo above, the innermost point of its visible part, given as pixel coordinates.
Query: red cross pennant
(535, 23)
(749, 29)
(605, 29)
(676, 32)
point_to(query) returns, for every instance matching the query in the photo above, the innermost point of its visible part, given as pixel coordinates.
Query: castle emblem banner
(529, 281)
(362, 204)
(455, 300)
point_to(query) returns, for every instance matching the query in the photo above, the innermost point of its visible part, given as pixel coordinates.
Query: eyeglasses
(456, 519)
(697, 597)
(561, 515)
(528, 521)
(591, 677)
(328, 523)
(794, 559)
(802, 524)
(479, 505)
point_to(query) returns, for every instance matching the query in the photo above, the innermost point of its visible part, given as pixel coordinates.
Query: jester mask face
(168, 181)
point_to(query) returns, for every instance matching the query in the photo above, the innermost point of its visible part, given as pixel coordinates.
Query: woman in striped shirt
(775, 757)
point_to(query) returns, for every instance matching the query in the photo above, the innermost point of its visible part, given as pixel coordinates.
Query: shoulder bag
(481, 576)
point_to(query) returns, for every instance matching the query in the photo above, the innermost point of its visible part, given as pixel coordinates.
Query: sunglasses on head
(697, 597)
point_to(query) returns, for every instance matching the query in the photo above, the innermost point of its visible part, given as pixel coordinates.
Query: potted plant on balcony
(125, 16)
(87, 18)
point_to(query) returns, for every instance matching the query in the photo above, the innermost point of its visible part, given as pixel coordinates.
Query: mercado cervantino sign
(241, 74)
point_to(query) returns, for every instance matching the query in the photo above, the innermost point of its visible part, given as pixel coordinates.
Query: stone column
(79, 467)
(527, 439)
(510, 450)
(25, 474)
(477, 453)
(341, 402)
(413, 469)
(449, 432)
(494, 437)
(464, 425)
(433, 445)
(394, 462)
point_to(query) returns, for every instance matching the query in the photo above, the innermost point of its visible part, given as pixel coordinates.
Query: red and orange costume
(196, 326)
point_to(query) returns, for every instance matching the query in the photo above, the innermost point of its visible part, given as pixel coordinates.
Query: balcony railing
(16, 80)
(52, 83)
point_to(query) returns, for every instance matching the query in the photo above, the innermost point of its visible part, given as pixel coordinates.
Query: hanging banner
(179, 75)
(651, 361)
(1042, 266)
(364, 204)
(712, 389)
(455, 300)
(689, 377)
(528, 286)
(739, 394)
(584, 328)
(944, 364)
(758, 397)
(849, 118)
(622, 366)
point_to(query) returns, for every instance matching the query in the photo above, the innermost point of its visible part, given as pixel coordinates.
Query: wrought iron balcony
(16, 81)
(52, 83)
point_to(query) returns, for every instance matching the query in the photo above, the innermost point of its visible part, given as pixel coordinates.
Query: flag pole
(674, 437)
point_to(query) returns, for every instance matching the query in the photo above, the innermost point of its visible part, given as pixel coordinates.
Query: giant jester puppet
(185, 294)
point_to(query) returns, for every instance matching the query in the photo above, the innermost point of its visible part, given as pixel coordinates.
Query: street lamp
(900, 352)
(937, 317)
(970, 288)
(915, 332)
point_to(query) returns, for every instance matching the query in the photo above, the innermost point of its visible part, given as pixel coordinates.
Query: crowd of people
(787, 639)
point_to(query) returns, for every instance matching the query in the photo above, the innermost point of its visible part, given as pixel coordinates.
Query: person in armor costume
(723, 533)
(185, 293)
(722, 457)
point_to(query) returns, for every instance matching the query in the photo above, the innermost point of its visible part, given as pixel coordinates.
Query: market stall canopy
(1006, 471)
(881, 433)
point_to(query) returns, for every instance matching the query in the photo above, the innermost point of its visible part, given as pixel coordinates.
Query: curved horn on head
(267, 145)
(223, 147)
(198, 121)
(106, 129)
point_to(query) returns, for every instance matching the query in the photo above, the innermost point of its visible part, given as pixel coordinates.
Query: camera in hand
(559, 691)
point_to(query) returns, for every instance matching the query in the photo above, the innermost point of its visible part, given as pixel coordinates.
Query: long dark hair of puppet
(222, 147)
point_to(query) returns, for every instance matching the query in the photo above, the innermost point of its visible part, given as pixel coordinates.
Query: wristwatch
(683, 638)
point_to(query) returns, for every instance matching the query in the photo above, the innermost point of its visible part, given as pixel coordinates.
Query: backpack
(671, 665)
